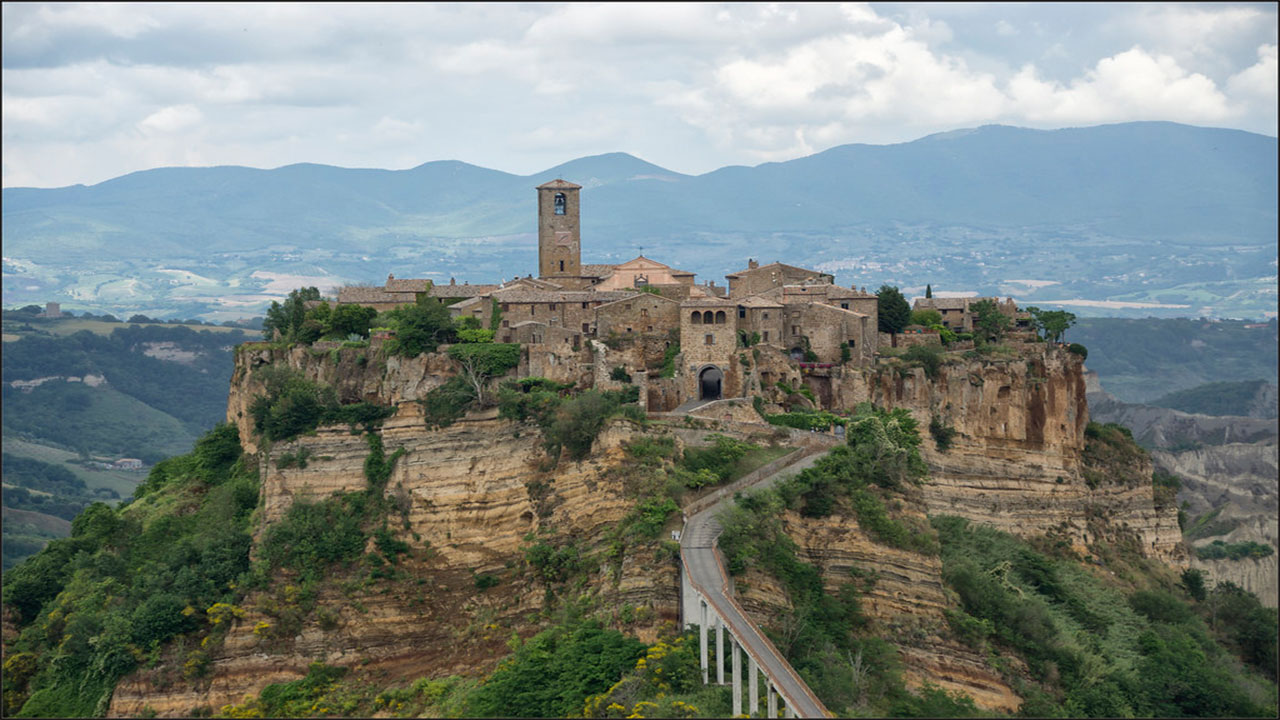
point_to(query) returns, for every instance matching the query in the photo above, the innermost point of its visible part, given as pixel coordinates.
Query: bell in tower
(559, 232)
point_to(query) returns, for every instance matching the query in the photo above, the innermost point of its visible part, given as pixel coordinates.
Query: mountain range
(1177, 217)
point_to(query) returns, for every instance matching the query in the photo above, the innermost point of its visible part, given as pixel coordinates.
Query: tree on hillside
(419, 327)
(927, 317)
(288, 318)
(1052, 323)
(894, 311)
(928, 291)
(988, 321)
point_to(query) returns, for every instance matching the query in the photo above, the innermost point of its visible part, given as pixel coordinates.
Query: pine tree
(928, 291)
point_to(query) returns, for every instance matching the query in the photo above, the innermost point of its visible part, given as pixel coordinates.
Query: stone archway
(710, 383)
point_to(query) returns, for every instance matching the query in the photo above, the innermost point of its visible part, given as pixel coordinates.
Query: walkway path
(705, 572)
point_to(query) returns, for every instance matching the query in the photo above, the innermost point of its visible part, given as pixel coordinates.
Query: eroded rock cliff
(470, 498)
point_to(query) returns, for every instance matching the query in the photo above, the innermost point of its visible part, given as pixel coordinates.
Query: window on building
(585, 305)
(506, 323)
(586, 327)
(644, 313)
(628, 329)
(742, 312)
(561, 266)
(844, 306)
(560, 206)
(720, 317)
(708, 318)
(530, 309)
(766, 316)
(650, 329)
(505, 307)
(795, 329)
(553, 306)
(695, 318)
(766, 336)
(627, 306)
(711, 340)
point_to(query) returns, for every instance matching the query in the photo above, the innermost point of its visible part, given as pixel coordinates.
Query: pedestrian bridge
(707, 601)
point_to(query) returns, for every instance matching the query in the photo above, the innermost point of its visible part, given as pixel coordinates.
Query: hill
(1140, 360)
(75, 402)
(1073, 211)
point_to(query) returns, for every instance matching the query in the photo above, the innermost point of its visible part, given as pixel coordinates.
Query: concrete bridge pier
(737, 677)
(753, 689)
(702, 640)
(719, 651)
(772, 703)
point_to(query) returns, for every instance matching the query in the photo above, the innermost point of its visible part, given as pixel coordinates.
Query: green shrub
(1219, 550)
(443, 405)
(1078, 349)
(719, 459)
(552, 673)
(419, 328)
(491, 359)
(669, 360)
(928, 357)
(620, 374)
(942, 433)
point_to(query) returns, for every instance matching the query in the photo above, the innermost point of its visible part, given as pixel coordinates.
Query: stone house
(641, 312)
(957, 313)
(709, 348)
(757, 278)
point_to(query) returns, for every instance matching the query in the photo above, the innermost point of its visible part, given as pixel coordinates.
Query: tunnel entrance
(710, 381)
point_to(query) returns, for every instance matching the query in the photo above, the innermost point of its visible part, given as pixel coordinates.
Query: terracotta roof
(635, 296)
(469, 302)
(408, 285)
(827, 290)
(461, 291)
(559, 184)
(756, 301)
(597, 271)
(774, 265)
(526, 295)
(362, 294)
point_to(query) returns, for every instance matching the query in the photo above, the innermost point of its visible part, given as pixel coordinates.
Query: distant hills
(1115, 212)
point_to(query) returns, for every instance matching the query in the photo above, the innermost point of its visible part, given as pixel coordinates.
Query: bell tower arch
(559, 230)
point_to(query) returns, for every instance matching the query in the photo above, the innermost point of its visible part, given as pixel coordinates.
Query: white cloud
(171, 119)
(1133, 85)
(91, 92)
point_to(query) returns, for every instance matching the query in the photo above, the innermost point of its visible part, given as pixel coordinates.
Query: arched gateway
(710, 383)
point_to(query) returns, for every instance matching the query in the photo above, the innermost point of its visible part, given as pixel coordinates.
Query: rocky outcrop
(1015, 462)
(355, 374)
(468, 497)
(1226, 464)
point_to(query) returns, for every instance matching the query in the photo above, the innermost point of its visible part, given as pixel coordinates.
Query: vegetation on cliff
(826, 636)
(1096, 646)
(94, 606)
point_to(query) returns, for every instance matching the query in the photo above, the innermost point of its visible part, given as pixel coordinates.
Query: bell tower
(559, 232)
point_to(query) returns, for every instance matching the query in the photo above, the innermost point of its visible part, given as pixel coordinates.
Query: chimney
(752, 264)
(452, 281)
(390, 277)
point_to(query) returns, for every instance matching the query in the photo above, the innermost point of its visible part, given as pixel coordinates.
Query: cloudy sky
(92, 91)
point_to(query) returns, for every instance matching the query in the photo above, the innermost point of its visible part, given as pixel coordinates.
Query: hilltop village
(649, 306)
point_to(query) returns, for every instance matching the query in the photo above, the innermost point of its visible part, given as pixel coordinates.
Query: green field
(119, 480)
(63, 327)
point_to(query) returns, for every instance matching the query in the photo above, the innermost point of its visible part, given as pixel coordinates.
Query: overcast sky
(91, 92)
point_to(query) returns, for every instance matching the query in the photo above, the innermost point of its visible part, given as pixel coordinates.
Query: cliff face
(470, 494)
(473, 492)
(904, 604)
(1015, 462)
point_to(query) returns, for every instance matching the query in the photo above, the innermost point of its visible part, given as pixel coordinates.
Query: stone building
(709, 348)
(758, 278)
(957, 313)
(638, 313)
